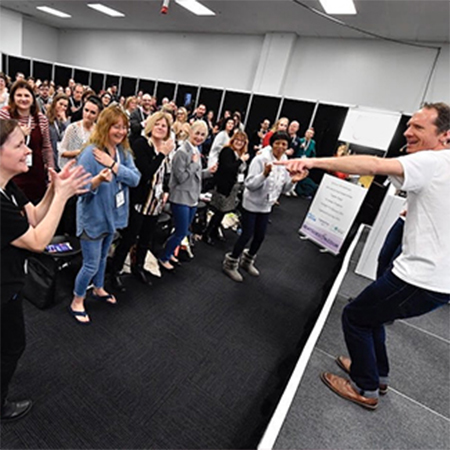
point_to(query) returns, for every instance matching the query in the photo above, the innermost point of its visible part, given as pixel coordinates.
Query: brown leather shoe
(344, 363)
(344, 389)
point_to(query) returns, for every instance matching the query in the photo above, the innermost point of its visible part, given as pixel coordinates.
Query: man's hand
(296, 166)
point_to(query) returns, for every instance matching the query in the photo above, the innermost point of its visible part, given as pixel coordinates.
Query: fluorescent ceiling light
(195, 7)
(53, 12)
(338, 6)
(105, 10)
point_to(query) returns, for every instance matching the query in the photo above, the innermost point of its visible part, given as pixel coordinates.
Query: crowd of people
(92, 164)
(98, 166)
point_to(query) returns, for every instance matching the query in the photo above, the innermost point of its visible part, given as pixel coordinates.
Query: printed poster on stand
(332, 212)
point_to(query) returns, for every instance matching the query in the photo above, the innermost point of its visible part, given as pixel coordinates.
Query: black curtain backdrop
(165, 89)
(263, 107)
(327, 125)
(210, 98)
(112, 80)
(16, 64)
(128, 86)
(97, 80)
(42, 70)
(299, 110)
(81, 76)
(62, 75)
(146, 86)
(236, 101)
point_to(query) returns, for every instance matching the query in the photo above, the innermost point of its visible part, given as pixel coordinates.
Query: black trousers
(140, 231)
(254, 225)
(13, 340)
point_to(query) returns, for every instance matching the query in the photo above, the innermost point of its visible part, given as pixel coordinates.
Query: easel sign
(332, 212)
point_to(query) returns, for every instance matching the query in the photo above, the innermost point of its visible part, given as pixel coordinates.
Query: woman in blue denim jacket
(104, 209)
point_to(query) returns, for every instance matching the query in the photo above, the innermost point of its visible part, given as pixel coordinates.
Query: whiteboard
(370, 128)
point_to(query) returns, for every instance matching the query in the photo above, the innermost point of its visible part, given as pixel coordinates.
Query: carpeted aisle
(195, 361)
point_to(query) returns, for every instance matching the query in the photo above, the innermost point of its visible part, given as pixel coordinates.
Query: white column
(274, 62)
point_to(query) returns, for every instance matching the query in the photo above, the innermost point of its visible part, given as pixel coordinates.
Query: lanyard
(27, 140)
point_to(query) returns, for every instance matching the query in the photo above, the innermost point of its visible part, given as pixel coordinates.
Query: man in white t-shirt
(419, 280)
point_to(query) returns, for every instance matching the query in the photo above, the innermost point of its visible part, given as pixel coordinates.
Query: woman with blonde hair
(281, 124)
(131, 104)
(105, 208)
(148, 198)
(229, 181)
(181, 126)
(185, 186)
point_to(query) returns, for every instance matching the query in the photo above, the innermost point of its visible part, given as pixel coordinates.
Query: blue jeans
(94, 264)
(392, 247)
(253, 225)
(182, 218)
(386, 299)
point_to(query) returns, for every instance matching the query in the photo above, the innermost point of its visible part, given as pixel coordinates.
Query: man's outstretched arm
(354, 164)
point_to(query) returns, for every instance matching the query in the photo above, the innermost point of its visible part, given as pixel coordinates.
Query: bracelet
(112, 166)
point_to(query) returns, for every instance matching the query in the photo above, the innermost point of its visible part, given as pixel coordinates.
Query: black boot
(141, 274)
(15, 410)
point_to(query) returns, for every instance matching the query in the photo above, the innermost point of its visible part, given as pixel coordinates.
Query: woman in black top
(229, 178)
(24, 227)
(148, 198)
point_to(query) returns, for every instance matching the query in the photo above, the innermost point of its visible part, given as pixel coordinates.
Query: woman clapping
(104, 209)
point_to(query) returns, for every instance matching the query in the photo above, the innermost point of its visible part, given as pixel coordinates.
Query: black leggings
(253, 225)
(13, 340)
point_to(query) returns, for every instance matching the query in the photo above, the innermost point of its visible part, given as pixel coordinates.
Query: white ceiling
(413, 20)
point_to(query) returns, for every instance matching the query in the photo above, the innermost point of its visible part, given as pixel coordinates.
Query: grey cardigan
(262, 192)
(186, 176)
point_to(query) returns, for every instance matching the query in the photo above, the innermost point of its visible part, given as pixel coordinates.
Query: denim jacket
(97, 211)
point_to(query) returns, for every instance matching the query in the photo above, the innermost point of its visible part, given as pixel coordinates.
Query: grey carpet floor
(195, 361)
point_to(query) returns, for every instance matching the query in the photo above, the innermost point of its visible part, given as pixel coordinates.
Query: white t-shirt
(425, 258)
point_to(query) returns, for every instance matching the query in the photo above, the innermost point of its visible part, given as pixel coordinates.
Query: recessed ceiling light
(53, 12)
(195, 7)
(105, 10)
(338, 6)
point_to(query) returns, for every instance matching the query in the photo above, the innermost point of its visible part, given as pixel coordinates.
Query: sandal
(77, 314)
(167, 266)
(105, 298)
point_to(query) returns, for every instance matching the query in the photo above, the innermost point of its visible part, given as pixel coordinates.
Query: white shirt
(425, 258)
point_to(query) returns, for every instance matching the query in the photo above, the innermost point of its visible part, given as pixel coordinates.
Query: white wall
(10, 32)
(364, 72)
(40, 41)
(215, 60)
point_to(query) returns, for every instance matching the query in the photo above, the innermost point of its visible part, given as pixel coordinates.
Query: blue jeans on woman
(253, 225)
(386, 299)
(183, 216)
(95, 253)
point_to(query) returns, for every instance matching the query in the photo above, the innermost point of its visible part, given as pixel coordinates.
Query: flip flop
(76, 314)
(105, 298)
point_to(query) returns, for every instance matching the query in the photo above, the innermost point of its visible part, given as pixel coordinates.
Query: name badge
(120, 199)
(241, 178)
(29, 160)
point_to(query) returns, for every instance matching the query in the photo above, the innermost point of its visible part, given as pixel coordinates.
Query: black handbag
(40, 281)
(50, 279)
